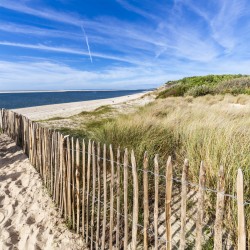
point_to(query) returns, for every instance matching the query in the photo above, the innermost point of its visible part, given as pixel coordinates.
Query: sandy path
(72, 108)
(28, 217)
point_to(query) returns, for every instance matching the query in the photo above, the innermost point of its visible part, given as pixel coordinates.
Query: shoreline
(67, 90)
(72, 108)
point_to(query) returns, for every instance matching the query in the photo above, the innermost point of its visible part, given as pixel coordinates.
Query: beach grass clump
(98, 111)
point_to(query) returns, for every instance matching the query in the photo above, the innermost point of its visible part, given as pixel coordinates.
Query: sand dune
(28, 217)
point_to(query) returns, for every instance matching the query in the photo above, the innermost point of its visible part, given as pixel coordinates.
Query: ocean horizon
(25, 99)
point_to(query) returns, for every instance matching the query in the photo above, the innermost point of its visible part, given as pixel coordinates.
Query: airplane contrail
(87, 42)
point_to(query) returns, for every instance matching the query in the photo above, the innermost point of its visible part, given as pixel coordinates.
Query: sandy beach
(28, 217)
(72, 108)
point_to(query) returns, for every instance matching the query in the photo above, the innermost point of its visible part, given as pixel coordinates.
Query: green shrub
(210, 84)
(176, 90)
(200, 91)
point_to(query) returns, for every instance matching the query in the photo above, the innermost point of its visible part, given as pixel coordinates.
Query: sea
(14, 100)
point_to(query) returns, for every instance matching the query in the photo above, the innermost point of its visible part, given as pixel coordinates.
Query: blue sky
(119, 44)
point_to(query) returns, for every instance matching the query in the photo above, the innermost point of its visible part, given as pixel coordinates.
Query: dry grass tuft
(215, 129)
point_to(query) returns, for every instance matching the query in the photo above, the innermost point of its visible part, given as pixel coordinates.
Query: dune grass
(212, 128)
(215, 129)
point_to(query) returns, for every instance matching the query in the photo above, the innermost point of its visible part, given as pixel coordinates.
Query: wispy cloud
(44, 13)
(43, 75)
(35, 31)
(137, 10)
(75, 51)
(224, 22)
(52, 75)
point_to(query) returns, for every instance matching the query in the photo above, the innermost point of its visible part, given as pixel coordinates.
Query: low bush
(210, 84)
(200, 91)
(176, 90)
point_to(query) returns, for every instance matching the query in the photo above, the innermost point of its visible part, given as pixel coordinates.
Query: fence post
(241, 213)
(135, 201)
(77, 186)
(156, 208)
(105, 197)
(69, 181)
(200, 206)
(118, 200)
(64, 151)
(83, 187)
(145, 201)
(125, 198)
(183, 204)
(111, 222)
(98, 197)
(73, 181)
(87, 195)
(169, 176)
(219, 210)
(93, 193)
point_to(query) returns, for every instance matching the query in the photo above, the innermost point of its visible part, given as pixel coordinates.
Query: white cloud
(70, 51)
(51, 75)
(137, 10)
(43, 75)
(44, 13)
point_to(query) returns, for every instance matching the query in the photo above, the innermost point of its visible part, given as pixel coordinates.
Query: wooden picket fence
(98, 191)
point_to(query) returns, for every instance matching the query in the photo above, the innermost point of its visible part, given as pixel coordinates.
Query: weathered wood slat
(111, 217)
(77, 186)
(104, 198)
(200, 207)
(87, 195)
(184, 190)
(145, 201)
(169, 180)
(125, 162)
(83, 187)
(69, 181)
(220, 204)
(135, 202)
(118, 199)
(73, 155)
(241, 212)
(156, 203)
(93, 195)
(98, 197)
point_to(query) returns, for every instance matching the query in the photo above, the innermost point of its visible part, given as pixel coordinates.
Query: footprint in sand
(31, 220)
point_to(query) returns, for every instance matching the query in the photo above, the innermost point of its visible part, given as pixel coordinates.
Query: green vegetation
(89, 121)
(99, 111)
(203, 85)
(213, 127)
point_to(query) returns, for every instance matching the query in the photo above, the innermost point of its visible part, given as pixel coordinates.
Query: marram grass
(215, 129)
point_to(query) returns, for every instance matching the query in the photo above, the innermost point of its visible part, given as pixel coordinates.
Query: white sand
(72, 108)
(28, 217)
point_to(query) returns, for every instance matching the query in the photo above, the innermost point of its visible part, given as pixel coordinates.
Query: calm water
(23, 100)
